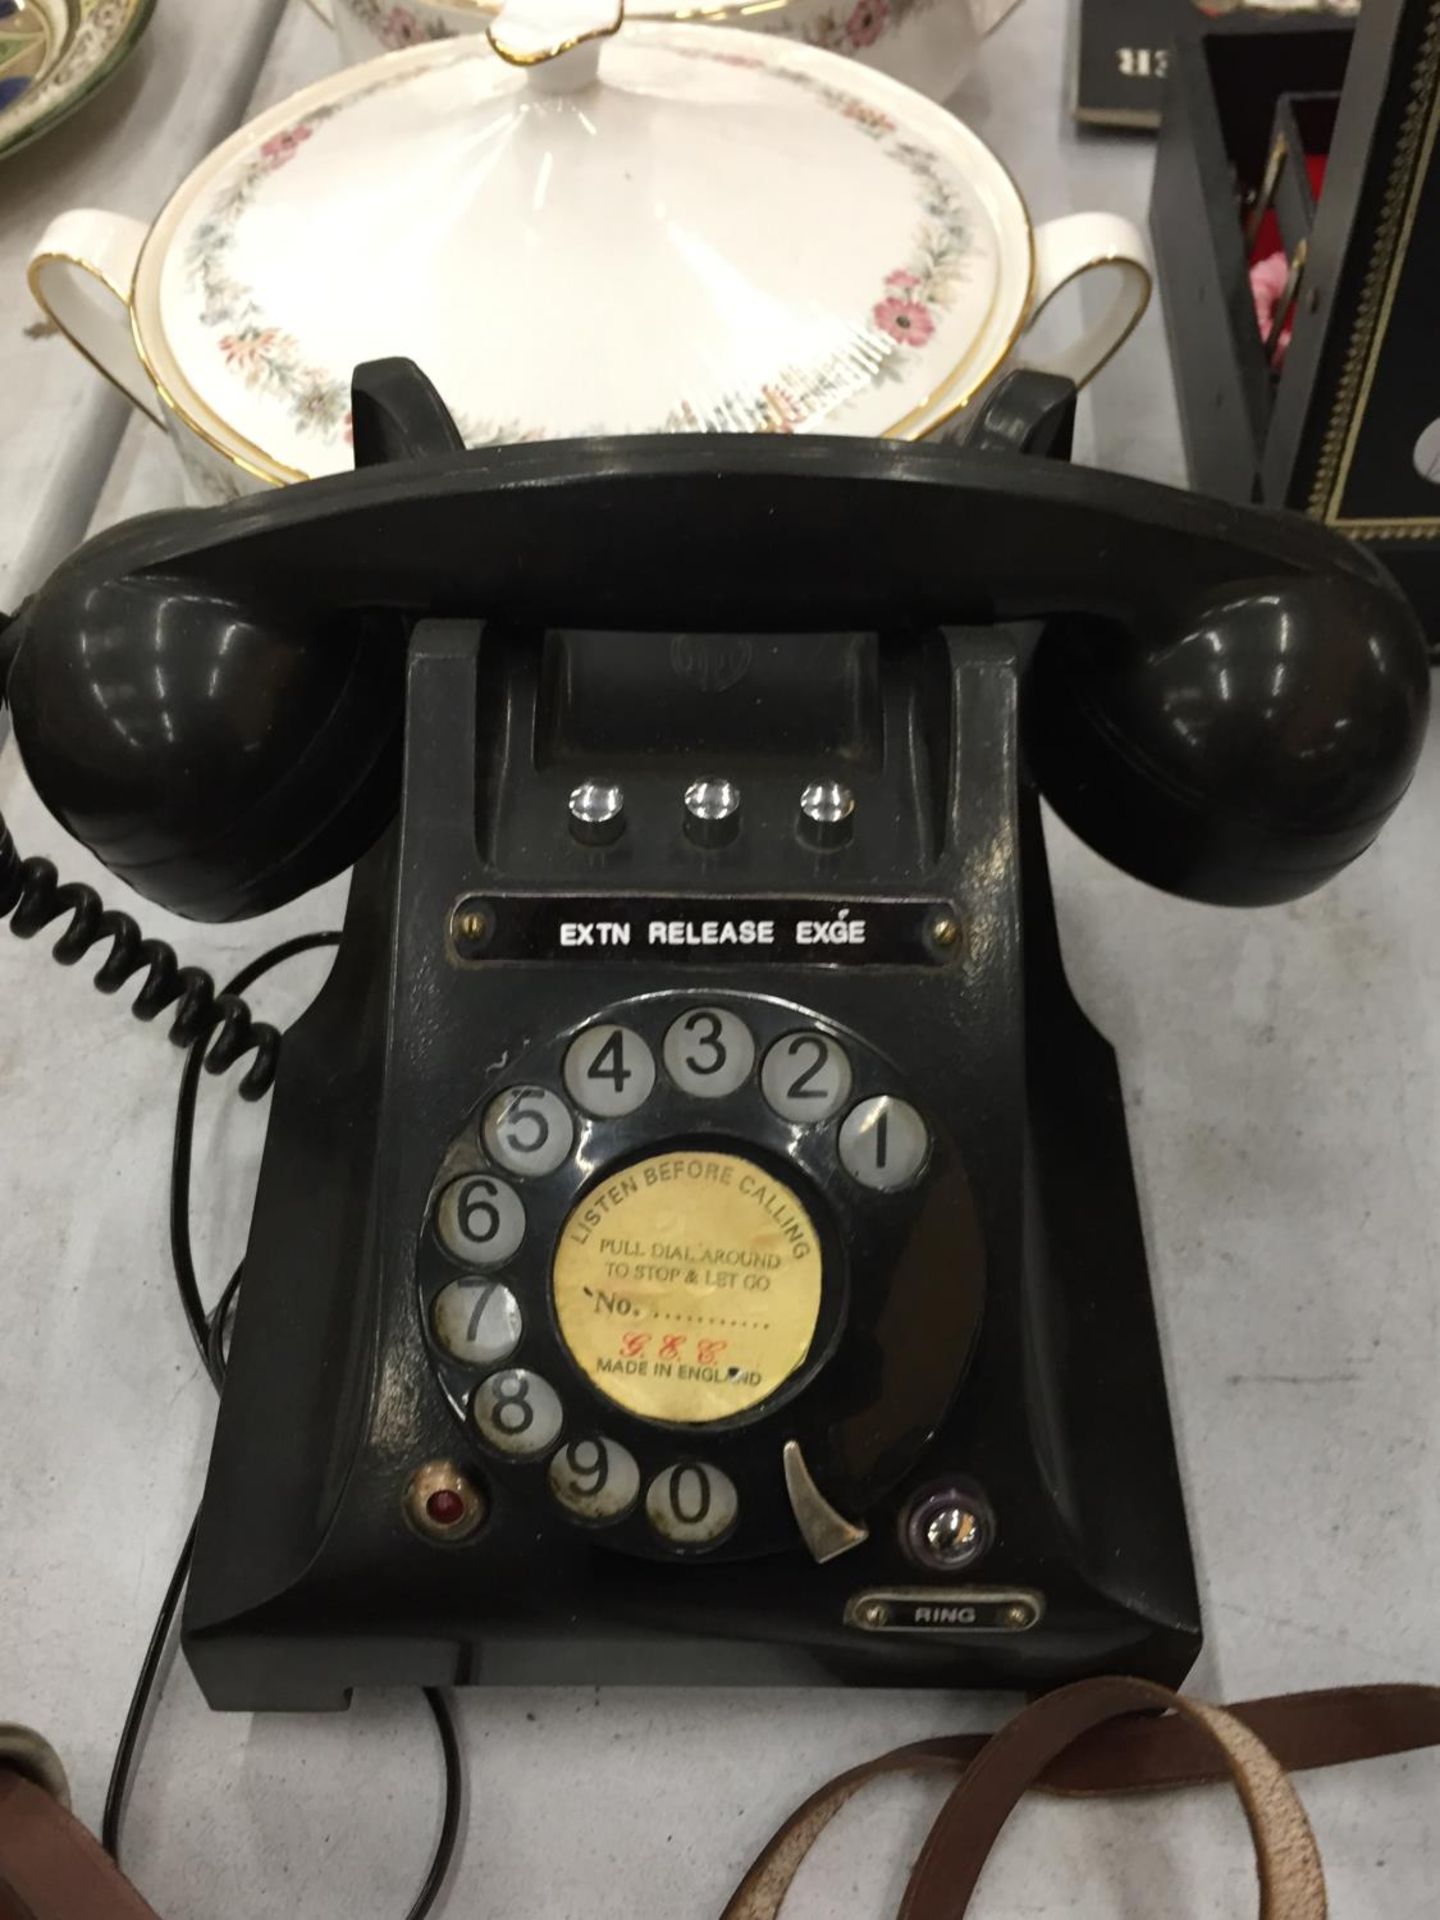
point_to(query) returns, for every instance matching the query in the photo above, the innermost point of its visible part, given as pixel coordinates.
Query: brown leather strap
(1100, 1736)
(1327, 1728)
(1292, 1885)
(1049, 1746)
(50, 1867)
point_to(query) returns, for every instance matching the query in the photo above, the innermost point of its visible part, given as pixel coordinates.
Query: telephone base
(309, 1580)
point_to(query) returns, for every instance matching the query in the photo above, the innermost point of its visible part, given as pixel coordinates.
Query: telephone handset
(1228, 701)
(696, 1235)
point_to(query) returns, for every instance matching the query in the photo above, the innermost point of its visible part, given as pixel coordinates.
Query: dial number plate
(528, 1130)
(688, 1280)
(609, 1071)
(687, 1286)
(709, 1052)
(883, 1143)
(480, 1220)
(692, 1504)
(594, 1478)
(806, 1077)
(518, 1412)
(477, 1321)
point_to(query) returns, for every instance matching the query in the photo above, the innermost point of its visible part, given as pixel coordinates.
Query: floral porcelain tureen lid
(577, 229)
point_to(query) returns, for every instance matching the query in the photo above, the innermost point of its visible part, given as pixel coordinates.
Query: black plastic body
(307, 1579)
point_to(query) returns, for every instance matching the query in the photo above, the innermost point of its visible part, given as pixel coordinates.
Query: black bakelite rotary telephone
(696, 1238)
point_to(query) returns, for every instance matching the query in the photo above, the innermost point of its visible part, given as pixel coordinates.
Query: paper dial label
(687, 1287)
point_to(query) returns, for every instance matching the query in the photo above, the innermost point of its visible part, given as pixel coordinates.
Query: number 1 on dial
(884, 1143)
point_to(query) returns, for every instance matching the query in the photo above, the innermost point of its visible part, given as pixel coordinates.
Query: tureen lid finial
(559, 39)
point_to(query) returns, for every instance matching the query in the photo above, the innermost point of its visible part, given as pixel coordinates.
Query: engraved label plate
(687, 1286)
(945, 1610)
(820, 932)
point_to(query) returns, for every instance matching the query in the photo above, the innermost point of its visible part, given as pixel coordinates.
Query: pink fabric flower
(867, 22)
(284, 146)
(1267, 288)
(907, 321)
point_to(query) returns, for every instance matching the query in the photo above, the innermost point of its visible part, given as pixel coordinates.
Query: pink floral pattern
(903, 321)
(265, 356)
(248, 350)
(842, 28)
(395, 27)
(852, 27)
(871, 118)
(866, 23)
(284, 146)
(908, 321)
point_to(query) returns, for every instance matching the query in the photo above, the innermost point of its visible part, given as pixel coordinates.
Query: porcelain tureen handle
(1078, 243)
(557, 40)
(81, 275)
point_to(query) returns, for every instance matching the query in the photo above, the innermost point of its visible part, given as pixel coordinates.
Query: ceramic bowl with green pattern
(54, 54)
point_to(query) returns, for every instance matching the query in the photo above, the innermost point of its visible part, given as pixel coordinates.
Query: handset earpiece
(216, 759)
(221, 753)
(1241, 748)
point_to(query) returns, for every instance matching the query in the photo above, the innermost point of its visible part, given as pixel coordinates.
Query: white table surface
(1283, 1080)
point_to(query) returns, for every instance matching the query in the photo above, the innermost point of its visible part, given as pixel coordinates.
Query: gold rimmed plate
(54, 54)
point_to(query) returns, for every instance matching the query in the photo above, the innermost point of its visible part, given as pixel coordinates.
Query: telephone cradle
(696, 1238)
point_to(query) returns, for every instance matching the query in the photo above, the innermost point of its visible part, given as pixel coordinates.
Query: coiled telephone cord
(33, 896)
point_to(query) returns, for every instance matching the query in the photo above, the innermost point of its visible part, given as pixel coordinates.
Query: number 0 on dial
(692, 1504)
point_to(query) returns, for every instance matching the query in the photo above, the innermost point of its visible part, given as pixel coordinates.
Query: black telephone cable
(217, 1029)
(208, 1330)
